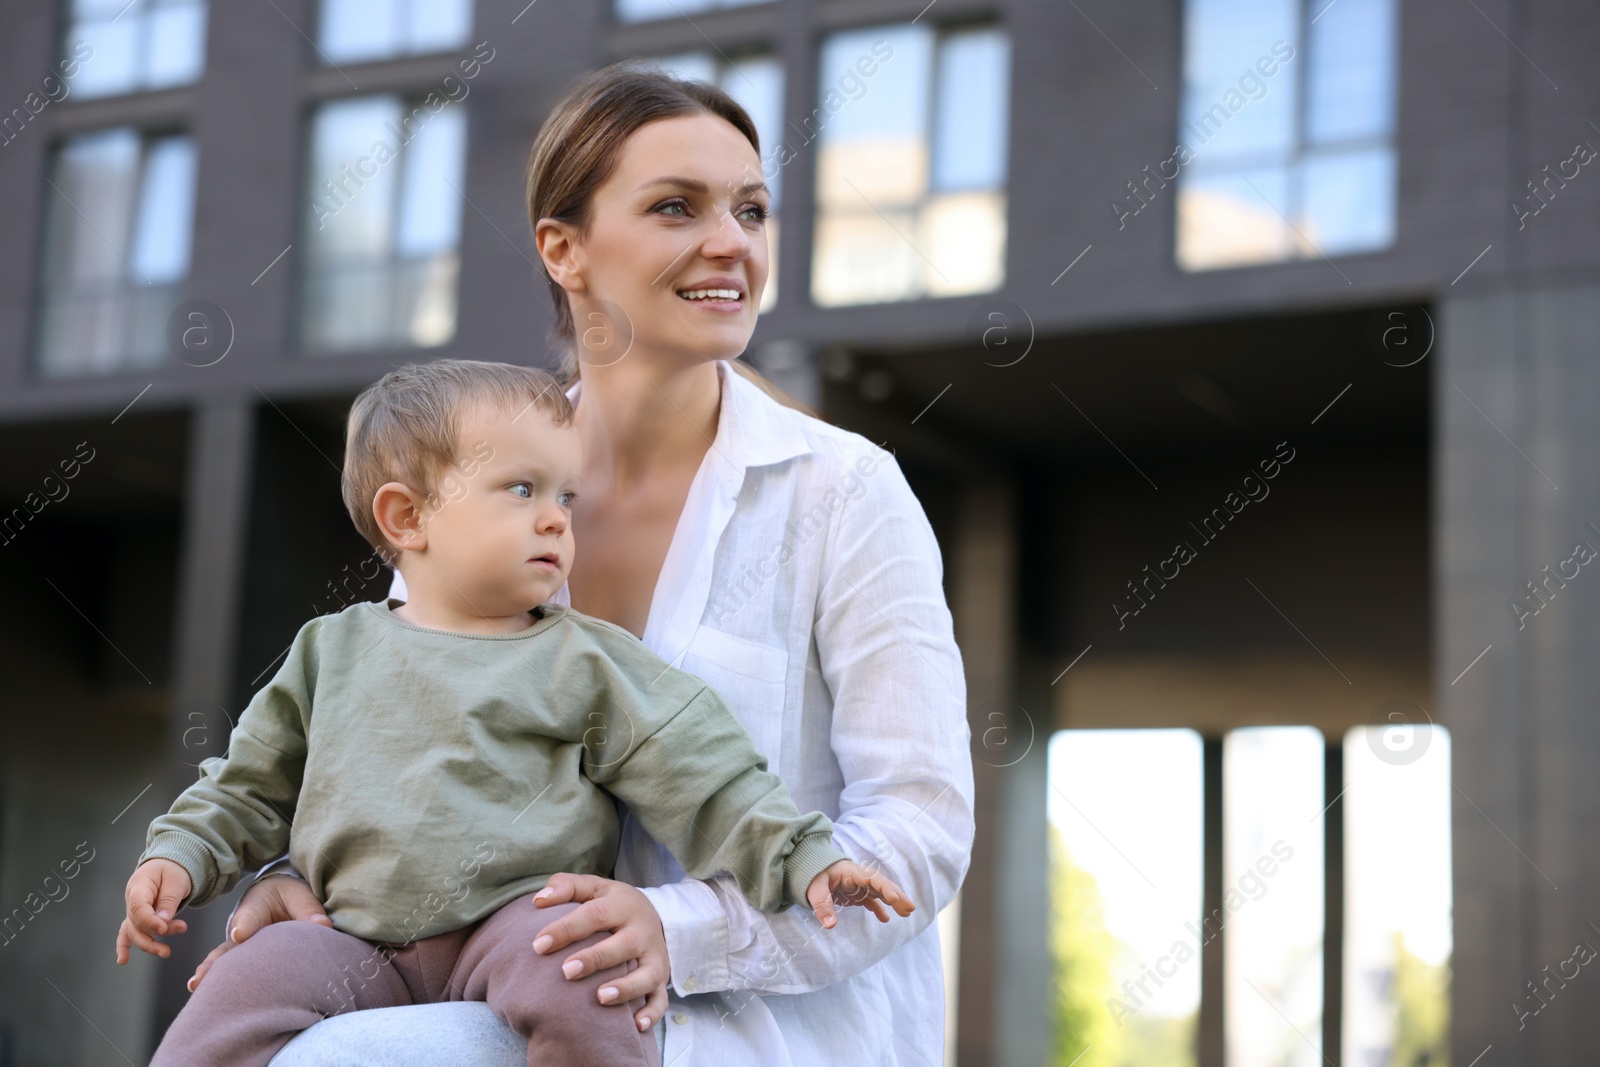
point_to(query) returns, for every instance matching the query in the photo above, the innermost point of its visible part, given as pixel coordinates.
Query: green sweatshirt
(423, 779)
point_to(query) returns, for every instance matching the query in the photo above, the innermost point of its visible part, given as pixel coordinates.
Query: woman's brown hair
(578, 147)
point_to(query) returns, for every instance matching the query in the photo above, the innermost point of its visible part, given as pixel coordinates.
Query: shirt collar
(753, 430)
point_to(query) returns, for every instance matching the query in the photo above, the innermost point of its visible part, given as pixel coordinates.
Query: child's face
(499, 525)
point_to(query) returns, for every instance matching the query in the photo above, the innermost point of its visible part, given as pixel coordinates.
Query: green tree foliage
(1085, 955)
(1422, 1010)
(1083, 950)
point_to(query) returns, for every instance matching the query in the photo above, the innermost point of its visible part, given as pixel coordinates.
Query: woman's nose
(729, 240)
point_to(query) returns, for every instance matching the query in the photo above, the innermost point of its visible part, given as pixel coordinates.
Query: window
(1125, 812)
(911, 167)
(354, 31)
(116, 252)
(756, 82)
(155, 44)
(1165, 847)
(644, 10)
(1398, 896)
(383, 225)
(1273, 874)
(1286, 139)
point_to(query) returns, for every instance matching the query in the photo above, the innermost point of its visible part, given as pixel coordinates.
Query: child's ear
(398, 510)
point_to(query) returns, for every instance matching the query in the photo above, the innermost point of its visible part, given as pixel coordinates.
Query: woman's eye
(761, 213)
(522, 489)
(679, 203)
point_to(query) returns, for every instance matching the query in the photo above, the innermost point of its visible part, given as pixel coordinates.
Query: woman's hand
(274, 899)
(636, 934)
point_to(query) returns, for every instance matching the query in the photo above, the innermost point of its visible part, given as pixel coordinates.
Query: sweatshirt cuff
(190, 854)
(811, 856)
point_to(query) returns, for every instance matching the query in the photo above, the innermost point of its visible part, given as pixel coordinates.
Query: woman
(783, 560)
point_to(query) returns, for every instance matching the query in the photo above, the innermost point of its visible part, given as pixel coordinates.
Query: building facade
(1091, 269)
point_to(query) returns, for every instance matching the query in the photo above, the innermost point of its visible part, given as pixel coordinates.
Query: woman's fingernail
(644, 1024)
(164, 914)
(608, 994)
(542, 943)
(190, 985)
(572, 968)
(543, 893)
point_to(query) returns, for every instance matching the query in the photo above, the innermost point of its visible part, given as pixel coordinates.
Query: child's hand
(844, 882)
(153, 895)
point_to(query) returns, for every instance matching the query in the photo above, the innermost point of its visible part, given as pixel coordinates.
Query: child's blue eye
(522, 489)
(567, 499)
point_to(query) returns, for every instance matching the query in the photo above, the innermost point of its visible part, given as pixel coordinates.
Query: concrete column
(1517, 489)
(216, 513)
(982, 587)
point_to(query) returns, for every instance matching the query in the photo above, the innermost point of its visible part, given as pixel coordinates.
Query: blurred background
(1242, 353)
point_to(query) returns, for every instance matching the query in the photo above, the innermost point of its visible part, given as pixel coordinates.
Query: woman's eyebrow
(694, 185)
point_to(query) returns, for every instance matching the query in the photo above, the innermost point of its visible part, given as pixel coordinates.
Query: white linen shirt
(803, 582)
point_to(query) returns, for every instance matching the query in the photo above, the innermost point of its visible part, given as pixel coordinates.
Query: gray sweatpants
(290, 975)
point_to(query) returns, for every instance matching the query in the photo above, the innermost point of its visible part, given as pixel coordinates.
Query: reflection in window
(1287, 131)
(1273, 869)
(1125, 810)
(384, 224)
(644, 10)
(155, 44)
(360, 30)
(117, 250)
(1397, 939)
(756, 82)
(911, 128)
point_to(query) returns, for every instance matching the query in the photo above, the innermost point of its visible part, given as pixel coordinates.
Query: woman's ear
(398, 510)
(563, 258)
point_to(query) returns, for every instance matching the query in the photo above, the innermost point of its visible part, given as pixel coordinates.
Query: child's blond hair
(405, 427)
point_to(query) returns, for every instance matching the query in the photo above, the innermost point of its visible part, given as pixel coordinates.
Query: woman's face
(683, 211)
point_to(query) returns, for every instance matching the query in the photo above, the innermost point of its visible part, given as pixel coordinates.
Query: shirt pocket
(751, 678)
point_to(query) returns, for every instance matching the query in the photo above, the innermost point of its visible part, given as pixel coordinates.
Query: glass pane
(695, 66)
(640, 10)
(964, 236)
(864, 258)
(1351, 77)
(1273, 895)
(1350, 201)
(873, 126)
(1125, 895)
(427, 300)
(769, 295)
(430, 210)
(96, 175)
(1224, 222)
(973, 108)
(348, 307)
(165, 220)
(437, 25)
(88, 10)
(353, 177)
(82, 335)
(1397, 936)
(113, 65)
(177, 43)
(358, 29)
(1231, 107)
(756, 82)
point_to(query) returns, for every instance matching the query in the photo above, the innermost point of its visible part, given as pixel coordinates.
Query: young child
(430, 763)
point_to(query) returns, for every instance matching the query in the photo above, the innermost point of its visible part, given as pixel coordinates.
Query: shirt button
(680, 1018)
(689, 983)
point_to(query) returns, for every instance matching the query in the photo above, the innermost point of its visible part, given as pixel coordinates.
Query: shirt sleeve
(698, 786)
(886, 645)
(240, 811)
